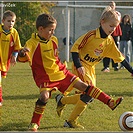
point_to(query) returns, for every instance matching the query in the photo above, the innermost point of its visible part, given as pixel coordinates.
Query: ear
(102, 21)
(40, 28)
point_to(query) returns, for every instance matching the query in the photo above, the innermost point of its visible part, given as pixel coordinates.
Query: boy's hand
(23, 51)
(81, 70)
(13, 60)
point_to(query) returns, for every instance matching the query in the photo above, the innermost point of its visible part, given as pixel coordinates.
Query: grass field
(20, 94)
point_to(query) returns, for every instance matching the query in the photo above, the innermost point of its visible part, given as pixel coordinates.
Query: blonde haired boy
(87, 51)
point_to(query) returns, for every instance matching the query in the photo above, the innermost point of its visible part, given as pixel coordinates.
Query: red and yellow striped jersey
(92, 48)
(9, 42)
(44, 61)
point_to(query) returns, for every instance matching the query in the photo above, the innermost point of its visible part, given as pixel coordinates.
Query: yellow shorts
(90, 77)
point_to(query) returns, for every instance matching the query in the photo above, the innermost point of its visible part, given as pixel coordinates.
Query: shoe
(60, 106)
(0, 104)
(122, 67)
(132, 75)
(106, 69)
(114, 103)
(33, 127)
(72, 124)
(116, 69)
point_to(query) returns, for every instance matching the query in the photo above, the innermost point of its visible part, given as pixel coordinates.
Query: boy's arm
(14, 58)
(76, 59)
(127, 66)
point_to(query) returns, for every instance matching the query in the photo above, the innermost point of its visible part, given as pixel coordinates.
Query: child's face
(126, 19)
(109, 26)
(47, 32)
(8, 22)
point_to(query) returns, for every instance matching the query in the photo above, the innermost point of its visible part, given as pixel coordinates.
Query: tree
(27, 13)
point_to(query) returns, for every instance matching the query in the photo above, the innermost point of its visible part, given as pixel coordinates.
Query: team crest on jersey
(100, 45)
(98, 52)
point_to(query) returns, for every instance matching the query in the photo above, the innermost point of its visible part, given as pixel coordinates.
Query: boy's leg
(63, 100)
(96, 93)
(37, 115)
(77, 111)
(81, 102)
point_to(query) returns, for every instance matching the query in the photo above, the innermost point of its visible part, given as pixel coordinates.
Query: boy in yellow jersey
(88, 50)
(9, 45)
(49, 73)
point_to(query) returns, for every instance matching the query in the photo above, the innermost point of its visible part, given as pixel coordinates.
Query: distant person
(9, 45)
(116, 35)
(49, 73)
(125, 39)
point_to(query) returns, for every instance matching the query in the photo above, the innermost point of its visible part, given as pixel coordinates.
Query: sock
(37, 114)
(98, 94)
(70, 99)
(1, 94)
(77, 111)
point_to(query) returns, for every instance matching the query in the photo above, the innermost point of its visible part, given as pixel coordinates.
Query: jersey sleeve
(76, 45)
(113, 52)
(16, 40)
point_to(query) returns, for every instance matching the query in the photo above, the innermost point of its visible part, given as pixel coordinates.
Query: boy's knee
(40, 102)
(85, 98)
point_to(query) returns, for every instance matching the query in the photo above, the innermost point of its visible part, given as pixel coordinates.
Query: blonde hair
(110, 14)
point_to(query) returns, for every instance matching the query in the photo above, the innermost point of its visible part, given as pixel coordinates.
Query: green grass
(20, 94)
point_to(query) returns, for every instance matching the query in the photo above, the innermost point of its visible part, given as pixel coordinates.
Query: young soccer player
(9, 45)
(88, 50)
(49, 73)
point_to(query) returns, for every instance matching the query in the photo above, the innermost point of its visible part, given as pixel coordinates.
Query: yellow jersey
(92, 48)
(44, 61)
(9, 43)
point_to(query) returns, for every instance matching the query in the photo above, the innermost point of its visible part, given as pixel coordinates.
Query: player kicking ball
(49, 73)
(88, 50)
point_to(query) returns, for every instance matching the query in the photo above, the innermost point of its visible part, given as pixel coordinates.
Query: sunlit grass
(20, 94)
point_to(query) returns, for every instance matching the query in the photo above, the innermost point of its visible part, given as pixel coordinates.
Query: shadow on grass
(20, 97)
(14, 126)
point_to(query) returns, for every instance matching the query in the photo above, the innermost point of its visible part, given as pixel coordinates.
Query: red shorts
(64, 86)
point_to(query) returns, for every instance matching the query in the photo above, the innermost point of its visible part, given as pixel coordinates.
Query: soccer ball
(126, 121)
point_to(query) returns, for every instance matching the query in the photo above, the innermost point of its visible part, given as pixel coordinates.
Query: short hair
(44, 20)
(8, 13)
(110, 14)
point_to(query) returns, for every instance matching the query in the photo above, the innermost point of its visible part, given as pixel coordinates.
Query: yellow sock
(77, 111)
(70, 99)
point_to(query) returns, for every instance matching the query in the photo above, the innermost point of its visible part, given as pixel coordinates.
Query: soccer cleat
(114, 103)
(106, 69)
(72, 124)
(116, 69)
(0, 104)
(60, 106)
(33, 127)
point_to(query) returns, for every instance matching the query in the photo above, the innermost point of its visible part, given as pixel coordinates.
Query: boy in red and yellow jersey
(49, 73)
(9, 45)
(88, 50)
